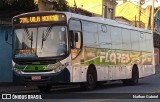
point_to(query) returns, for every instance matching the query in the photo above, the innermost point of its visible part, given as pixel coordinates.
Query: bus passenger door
(75, 39)
(76, 48)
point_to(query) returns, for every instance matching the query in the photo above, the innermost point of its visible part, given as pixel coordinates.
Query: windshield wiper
(31, 39)
(27, 33)
(29, 36)
(45, 36)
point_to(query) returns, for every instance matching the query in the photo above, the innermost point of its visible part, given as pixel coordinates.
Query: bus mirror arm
(72, 39)
(6, 37)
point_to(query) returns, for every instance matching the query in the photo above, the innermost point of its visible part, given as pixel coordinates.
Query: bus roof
(94, 19)
(104, 21)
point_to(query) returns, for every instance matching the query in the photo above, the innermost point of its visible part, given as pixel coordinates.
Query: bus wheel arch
(134, 77)
(91, 78)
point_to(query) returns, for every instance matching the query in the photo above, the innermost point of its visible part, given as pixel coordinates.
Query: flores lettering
(115, 57)
(125, 57)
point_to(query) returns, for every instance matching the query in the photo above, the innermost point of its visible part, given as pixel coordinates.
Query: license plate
(36, 77)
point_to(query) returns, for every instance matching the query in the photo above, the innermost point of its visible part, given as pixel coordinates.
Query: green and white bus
(65, 48)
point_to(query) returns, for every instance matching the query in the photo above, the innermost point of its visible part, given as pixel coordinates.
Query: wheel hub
(90, 79)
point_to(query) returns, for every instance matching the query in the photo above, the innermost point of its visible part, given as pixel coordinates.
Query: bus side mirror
(76, 37)
(6, 36)
(72, 39)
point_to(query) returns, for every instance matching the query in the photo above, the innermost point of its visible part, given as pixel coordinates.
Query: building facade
(5, 55)
(130, 11)
(157, 36)
(103, 8)
(108, 8)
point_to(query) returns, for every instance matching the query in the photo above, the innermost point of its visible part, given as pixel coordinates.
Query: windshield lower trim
(44, 60)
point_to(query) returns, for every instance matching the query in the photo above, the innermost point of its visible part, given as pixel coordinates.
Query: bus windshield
(48, 41)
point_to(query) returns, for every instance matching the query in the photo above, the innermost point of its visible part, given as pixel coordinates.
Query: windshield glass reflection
(40, 42)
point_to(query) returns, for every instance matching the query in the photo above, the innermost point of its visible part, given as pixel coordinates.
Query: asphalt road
(112, 92)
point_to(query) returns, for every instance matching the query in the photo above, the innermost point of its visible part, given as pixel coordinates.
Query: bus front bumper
(62, 77)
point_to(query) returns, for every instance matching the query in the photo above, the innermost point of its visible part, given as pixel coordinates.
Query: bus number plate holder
(36, 77)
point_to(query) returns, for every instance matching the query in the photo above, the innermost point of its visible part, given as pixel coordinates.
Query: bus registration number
(36, 77)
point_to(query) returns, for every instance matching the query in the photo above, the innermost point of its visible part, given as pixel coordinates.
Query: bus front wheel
(90, 84)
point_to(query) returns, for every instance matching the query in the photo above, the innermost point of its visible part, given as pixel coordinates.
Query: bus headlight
(14, 67)
(13, 64)
(17, 71)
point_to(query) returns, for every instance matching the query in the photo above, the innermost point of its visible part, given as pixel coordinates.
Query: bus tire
(90, 84)
(135, 76)
(45, 88)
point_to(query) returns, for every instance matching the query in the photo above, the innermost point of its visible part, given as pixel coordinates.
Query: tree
(18, 5)
(10, 8)
(60, 5)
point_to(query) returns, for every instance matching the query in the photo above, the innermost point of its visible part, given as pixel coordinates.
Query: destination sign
(39, 18)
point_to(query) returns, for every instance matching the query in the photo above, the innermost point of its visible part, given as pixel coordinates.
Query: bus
(51, 48)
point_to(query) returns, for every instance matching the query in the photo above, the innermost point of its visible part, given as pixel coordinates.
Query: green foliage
(18, 5)
(60, 5)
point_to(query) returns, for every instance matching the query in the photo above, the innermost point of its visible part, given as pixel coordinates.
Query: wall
(157, 37)
(5, 56)
(156, 56)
